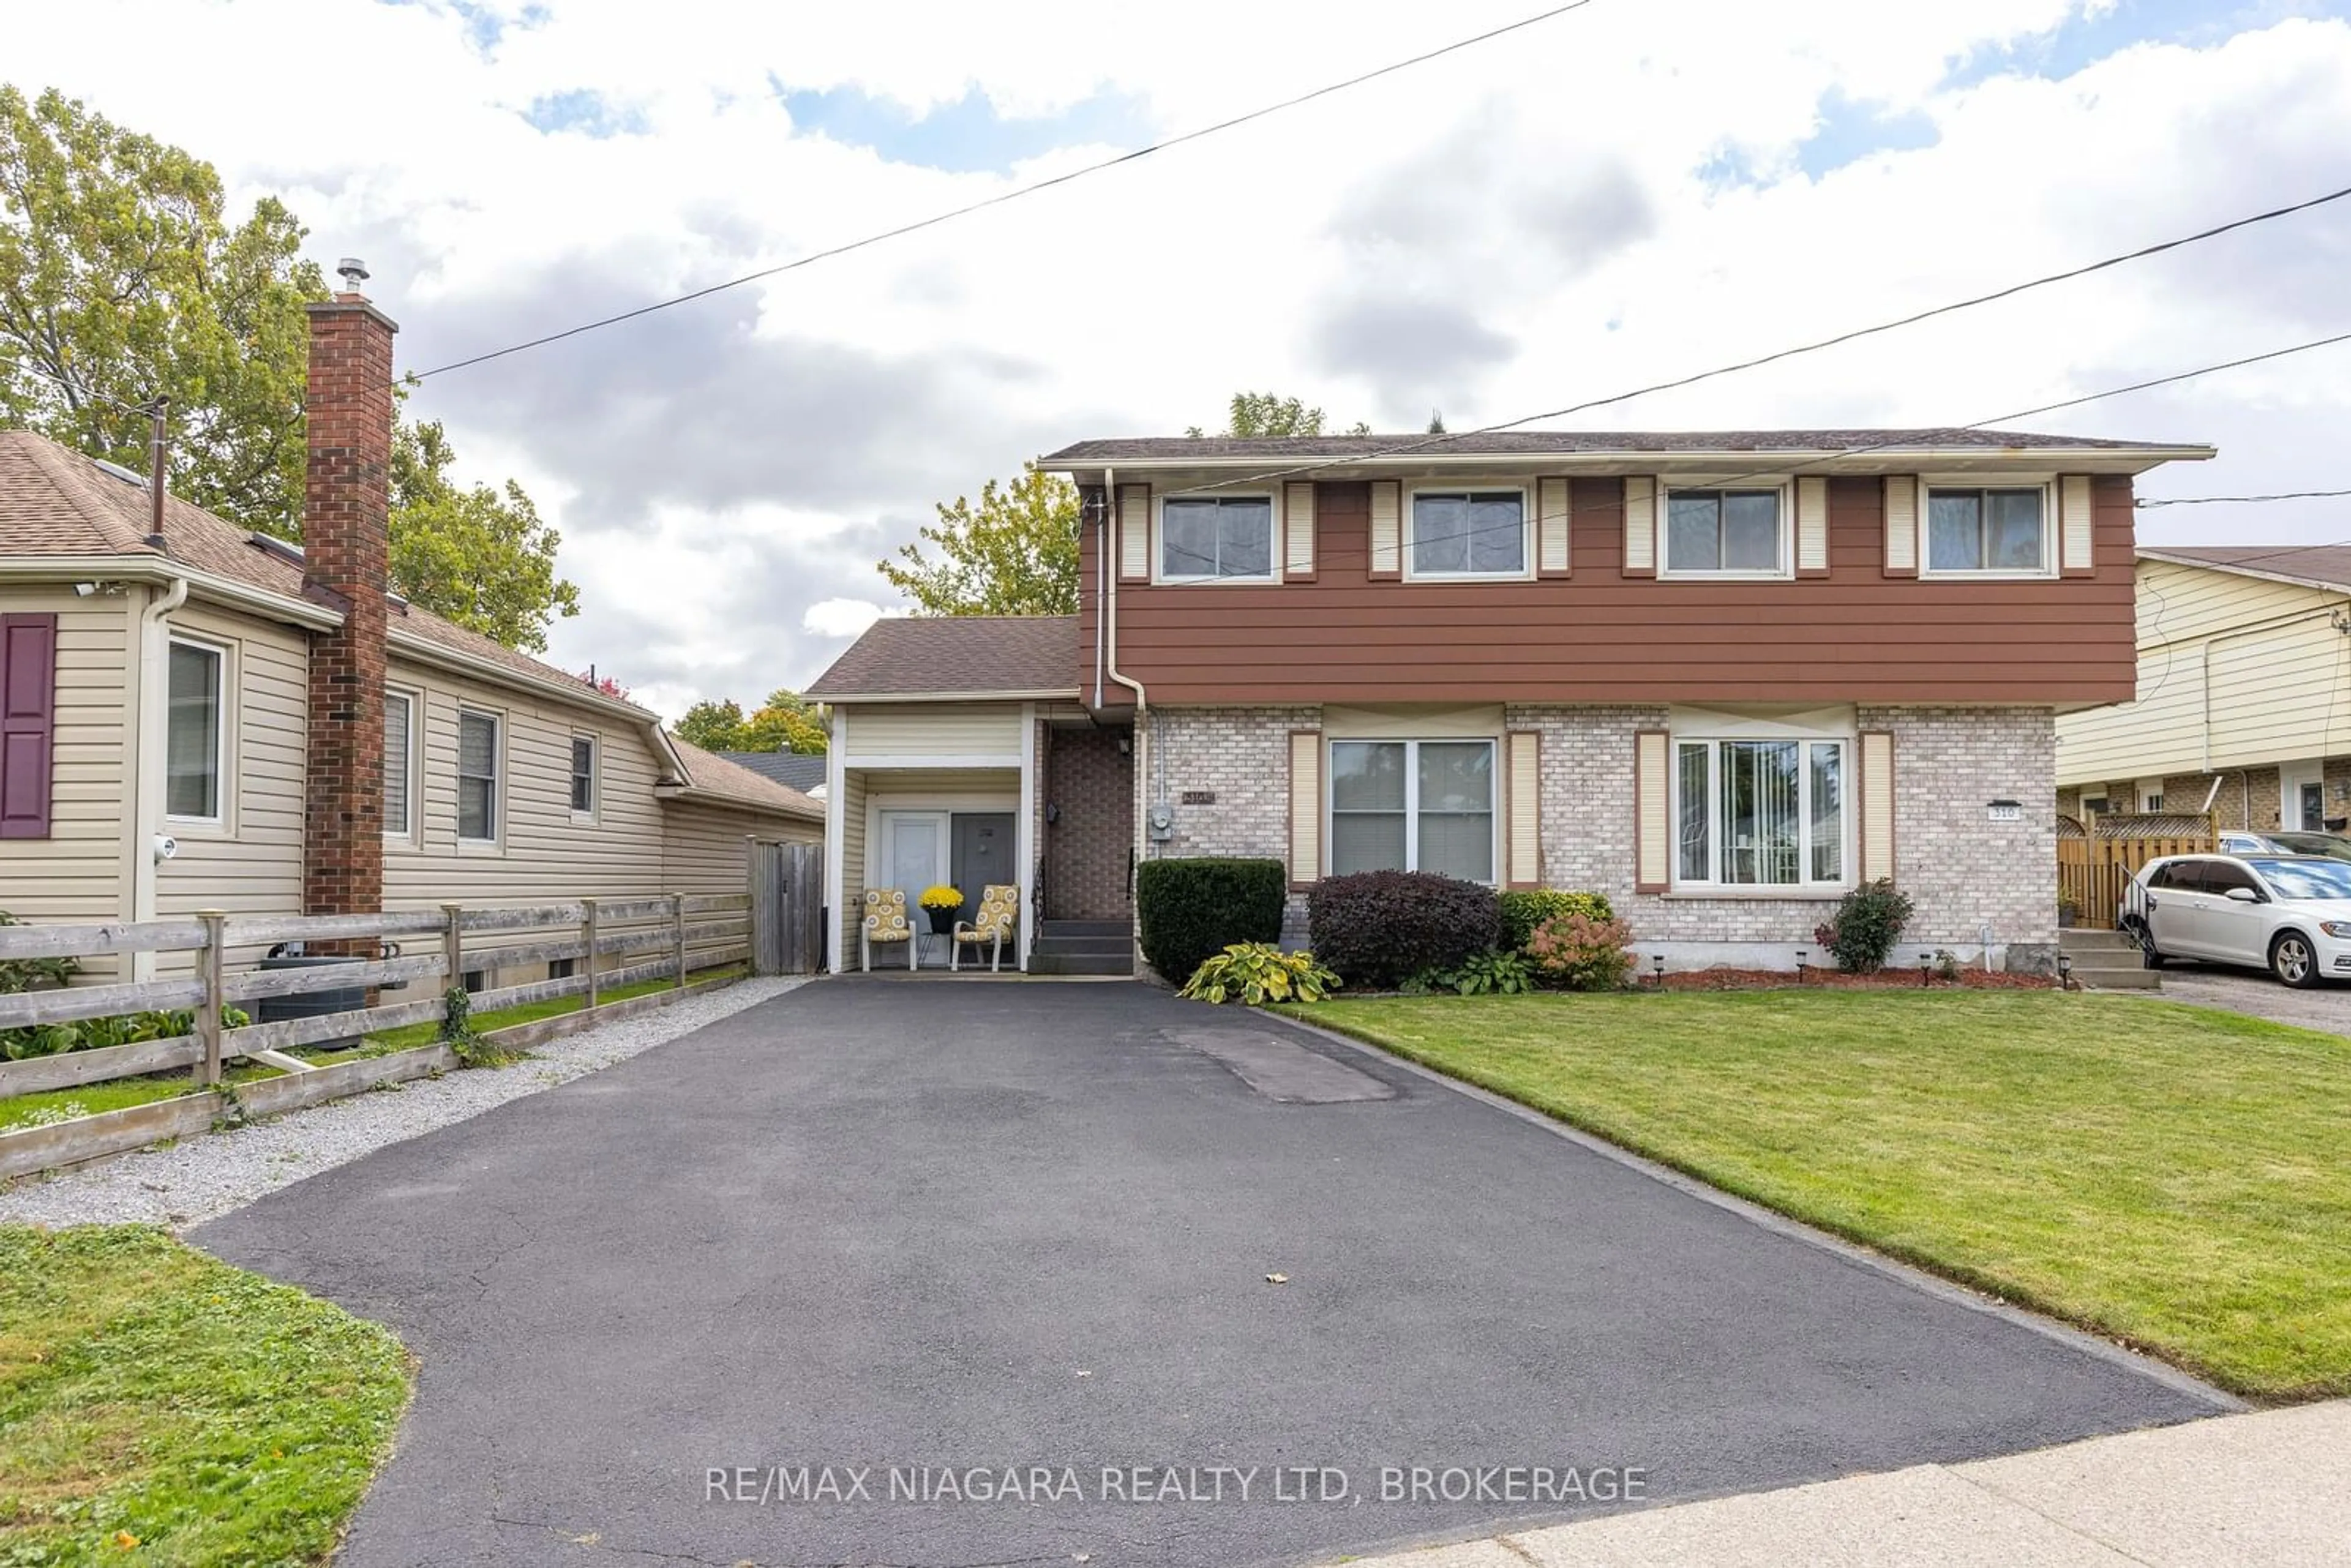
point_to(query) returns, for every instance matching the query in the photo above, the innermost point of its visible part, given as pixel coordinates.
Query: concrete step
(1049, 928)
(1085, 946)
(2115, 977)
(1043, 962)
(2081, 941)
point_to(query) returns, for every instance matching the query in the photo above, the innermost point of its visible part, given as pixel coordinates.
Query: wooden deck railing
(466, 939)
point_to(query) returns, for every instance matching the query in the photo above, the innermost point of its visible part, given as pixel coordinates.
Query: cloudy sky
(1632, 190)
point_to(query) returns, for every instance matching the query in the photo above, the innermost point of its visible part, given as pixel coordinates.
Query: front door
(914, 856)
(984, 854)
(2302, 802)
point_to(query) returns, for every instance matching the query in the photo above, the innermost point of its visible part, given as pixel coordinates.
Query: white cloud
(1519, 227)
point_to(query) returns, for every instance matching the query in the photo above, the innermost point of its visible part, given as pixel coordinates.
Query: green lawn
(2173, 1177)
(507, 1018)
(157, 1405)
(114, 1095)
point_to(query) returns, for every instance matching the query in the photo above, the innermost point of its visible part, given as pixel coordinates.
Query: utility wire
(1425, 443)
(1014, 194)
(2239, 500)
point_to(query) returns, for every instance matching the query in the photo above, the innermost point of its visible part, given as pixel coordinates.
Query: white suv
(2288, 913)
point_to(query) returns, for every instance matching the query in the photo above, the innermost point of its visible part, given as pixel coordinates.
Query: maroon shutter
(29, 698)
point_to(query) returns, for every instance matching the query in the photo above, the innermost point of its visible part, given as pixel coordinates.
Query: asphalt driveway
(963, 1229)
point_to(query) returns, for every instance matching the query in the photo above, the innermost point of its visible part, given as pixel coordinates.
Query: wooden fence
(605, 944)
(2092, 873)
(788, 926)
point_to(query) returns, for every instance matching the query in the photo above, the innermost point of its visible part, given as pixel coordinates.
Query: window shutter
(1387, 530)
(1901, 524)
(1552, 516)
(1305, 806)
(1876, 805)
(1812, 527)
(29, 703)
(1653, 823)
(1641, 525)
(1135, 533)
(1298, 529)
(2076, 526)
(1524, 821)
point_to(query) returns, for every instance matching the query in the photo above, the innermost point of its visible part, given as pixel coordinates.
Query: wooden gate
(2092, 872)
(787, 923)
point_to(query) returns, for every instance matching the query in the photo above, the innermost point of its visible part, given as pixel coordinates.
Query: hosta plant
(1258, 973)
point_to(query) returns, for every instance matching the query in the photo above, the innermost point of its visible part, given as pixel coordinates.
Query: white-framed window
(1734, 531)
(1215, 539)
(194, 733)
(1413, 805)
(1762, 813)
(399, 764)
(1988, 530)
(583, 776)
(478, 737)
(1476, 531)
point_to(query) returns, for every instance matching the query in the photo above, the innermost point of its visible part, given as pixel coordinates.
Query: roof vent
(118, 471)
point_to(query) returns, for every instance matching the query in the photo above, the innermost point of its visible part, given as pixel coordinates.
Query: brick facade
(1089, 831)
(346, 546)
(1977, 883)
(2247, 798)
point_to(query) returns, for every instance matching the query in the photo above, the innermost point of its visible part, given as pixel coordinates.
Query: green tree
(785, 722)
(714, 725)
(1014, 553)
(1271, 414)
(122, 280)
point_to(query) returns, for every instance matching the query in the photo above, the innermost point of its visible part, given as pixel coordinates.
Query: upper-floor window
(583, 775)
(477, 777)
(1987, 530)
(1759, 813)
(1207, 538)
(1468, 533)
(1413, 805)
(399, 749)
(192, 732)
(1735, 532)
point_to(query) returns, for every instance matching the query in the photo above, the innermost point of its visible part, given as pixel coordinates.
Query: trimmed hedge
(1376, 927)
(1188, 910)
(1524, 910)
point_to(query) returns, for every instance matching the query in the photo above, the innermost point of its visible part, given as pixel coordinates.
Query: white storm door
(913, 855)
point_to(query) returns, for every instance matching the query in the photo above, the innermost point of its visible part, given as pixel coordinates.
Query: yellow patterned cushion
(885, 915)
(999, 908)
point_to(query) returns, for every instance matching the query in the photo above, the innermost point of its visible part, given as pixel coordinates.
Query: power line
(1016, 193)
(2240, 500)
(1425, 443)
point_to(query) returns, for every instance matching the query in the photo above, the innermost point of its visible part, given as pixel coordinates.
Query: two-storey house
(1720, 677)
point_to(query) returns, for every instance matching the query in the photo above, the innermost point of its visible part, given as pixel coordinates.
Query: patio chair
(885, 921)
(999, 909)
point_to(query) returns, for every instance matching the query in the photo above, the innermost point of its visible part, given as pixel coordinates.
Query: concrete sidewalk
(2273, 1488)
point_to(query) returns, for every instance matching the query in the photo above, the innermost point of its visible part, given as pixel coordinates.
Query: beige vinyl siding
(2234, 672)
(77, 873)
(706, 849)
(933, 729)
(252, 862)
(849, 810)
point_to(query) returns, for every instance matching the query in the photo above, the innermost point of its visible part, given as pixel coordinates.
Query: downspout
(145, 773)
(1102, 572)
(1146, 751)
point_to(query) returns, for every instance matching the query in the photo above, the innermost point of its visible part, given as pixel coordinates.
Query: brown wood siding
(1852, 635)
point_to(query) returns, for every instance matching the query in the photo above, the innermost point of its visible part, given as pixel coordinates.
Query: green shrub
(1259, 973)
(95, 1034)
(1868, 922)
(1376, 927)
(1527, 908)
(1582, 954)
(1188, 910)
(1494, 974)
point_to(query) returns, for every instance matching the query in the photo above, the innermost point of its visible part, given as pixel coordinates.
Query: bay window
(1759, 813)
(1413, 805)
(1731, 531)
(1203, 538)
(1468, 533)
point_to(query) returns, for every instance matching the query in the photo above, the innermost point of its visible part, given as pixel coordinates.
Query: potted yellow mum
(943, 903)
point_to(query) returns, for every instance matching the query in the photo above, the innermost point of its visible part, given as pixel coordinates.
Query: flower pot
(942, 922)
(2065, 918)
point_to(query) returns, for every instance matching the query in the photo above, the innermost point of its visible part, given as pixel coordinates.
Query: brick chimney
(347, 547)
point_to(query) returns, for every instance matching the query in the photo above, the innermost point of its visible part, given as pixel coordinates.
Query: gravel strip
(198, 1178)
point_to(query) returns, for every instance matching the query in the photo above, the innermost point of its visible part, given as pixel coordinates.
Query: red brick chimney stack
(347, 547)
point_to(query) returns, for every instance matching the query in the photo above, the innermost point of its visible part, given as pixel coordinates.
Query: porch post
(1025, 834)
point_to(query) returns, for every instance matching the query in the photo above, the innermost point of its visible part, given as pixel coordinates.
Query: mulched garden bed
(1838, 980)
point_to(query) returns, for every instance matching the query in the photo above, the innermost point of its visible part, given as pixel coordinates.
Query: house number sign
(1199, 796)
(2004, 811)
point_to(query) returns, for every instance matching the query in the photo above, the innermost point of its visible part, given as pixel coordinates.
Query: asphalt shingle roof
(961, 655)
(1566, 443)
(792, 769)
(2321, 566)
(710, 771)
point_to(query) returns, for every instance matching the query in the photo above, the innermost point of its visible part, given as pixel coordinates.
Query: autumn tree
(785, 722)
(1014, 553)
(1270, 413)
(123, 278)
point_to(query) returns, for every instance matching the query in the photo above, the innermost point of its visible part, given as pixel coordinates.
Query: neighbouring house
(2239, 707)
(792, 769)
(1721, 678)
(198, 716)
